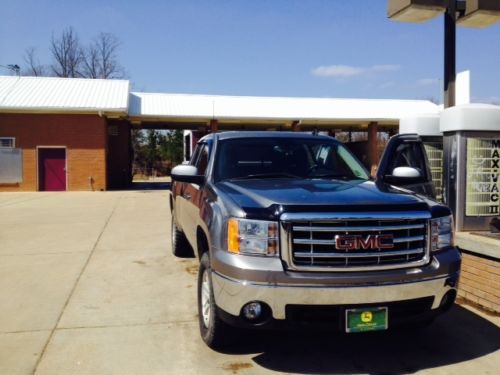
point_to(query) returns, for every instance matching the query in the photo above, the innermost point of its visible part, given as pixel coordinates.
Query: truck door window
(202, 161)
(408, 155)
(195, 155)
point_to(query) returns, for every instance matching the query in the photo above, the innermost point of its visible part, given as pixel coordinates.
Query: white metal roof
(274, 108)
(79, 95)
(49, 94)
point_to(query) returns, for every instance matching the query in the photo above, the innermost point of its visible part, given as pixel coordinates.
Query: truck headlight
(252, 237)
(442, 233)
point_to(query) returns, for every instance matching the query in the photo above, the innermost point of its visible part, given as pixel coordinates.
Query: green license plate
(366, 319)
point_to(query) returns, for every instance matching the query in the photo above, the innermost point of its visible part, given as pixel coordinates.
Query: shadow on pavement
(455, 337)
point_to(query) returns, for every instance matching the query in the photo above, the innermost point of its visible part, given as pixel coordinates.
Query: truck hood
(255, 194)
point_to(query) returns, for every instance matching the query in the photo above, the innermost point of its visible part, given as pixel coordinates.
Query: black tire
(180, 244)
(215, 333)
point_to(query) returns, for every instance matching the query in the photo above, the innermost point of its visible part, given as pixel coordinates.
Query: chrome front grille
(378, 240)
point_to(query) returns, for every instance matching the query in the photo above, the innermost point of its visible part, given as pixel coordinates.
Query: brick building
(67, 131)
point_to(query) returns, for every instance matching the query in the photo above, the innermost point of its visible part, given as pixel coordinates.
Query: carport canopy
(157, 110)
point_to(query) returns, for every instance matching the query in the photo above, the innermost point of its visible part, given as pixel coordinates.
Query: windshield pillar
(372, 147)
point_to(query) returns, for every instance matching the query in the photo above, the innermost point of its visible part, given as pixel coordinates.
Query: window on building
(7, 142)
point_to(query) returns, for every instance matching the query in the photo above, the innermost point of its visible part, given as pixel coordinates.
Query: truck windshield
(246, 158)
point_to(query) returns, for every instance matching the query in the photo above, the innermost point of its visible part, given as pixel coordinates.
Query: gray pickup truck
(291, 231)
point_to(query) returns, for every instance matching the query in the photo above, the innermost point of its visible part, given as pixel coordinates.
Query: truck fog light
(252, 310)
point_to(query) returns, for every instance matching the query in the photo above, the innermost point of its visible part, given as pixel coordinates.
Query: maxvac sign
(483, 177)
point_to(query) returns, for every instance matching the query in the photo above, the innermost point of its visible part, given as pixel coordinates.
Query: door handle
(186, 196)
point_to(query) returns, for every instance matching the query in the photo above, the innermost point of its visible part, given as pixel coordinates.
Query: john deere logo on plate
(366, 317)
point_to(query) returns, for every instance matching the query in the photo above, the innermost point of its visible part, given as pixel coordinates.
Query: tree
(91, 62)
(171, 146)
(67, 54)
(151, 151)
(34, 67)
(100, 58)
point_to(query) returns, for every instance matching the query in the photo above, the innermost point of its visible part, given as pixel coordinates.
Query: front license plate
(366, 319)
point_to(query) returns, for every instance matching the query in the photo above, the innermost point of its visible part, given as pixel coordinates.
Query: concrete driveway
(88, 285)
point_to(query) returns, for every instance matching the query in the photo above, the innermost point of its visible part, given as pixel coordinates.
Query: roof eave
(252, 119)
(72, 111)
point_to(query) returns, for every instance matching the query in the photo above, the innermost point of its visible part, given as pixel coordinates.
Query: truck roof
(264, 134)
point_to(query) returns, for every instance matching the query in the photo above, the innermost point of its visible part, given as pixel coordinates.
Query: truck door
(404, 164)
(192, 196)
(180, 196)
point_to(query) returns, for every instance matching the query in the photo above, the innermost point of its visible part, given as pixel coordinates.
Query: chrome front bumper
(231, 295)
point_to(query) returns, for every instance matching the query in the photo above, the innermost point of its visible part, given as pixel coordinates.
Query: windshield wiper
(266, 175)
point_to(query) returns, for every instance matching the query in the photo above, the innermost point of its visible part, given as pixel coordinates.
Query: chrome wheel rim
(205, 299)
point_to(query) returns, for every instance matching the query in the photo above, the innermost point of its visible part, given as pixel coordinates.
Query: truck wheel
(214, 332)
(180, 245)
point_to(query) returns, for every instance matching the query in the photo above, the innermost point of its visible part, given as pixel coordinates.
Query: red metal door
(52, 169)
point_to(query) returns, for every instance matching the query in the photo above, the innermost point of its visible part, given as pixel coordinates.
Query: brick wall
(84, 137)
(480, 281)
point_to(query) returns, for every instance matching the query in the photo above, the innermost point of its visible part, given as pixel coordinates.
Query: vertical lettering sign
(483, 177)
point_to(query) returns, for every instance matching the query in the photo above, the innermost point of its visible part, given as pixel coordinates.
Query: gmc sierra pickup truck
(291, 231)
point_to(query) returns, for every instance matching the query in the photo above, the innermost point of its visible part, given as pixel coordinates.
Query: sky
(302, 48)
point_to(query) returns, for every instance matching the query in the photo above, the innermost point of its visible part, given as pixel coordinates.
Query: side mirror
(403, 176)
(406, 172)
(187, 173)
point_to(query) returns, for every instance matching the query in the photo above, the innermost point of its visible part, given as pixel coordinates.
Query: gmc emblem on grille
(373, 241)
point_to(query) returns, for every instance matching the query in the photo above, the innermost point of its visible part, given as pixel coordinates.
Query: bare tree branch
(34, 68)
(67, 54)
(91, 62)
(100, 59)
